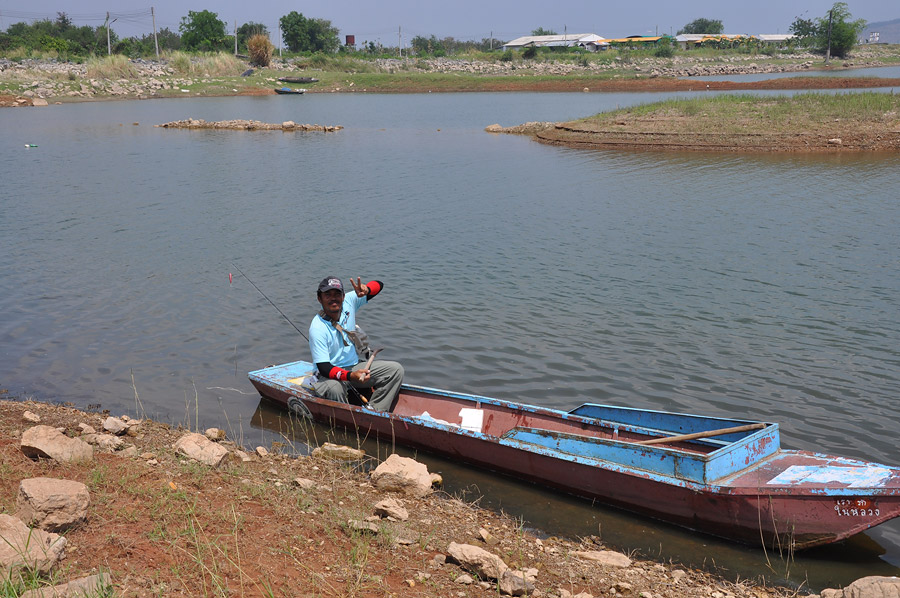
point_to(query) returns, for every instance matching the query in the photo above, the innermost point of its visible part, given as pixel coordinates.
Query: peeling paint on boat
(867, 476)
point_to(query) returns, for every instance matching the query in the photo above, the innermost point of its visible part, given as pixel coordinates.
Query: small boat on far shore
(725, 477)
(289, 91)
(298, 79)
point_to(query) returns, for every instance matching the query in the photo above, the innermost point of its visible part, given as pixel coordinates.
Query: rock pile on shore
(247, 125)
(682, 65)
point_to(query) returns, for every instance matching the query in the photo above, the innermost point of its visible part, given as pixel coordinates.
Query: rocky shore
(135, 508)
(33, 82)
(247, 125)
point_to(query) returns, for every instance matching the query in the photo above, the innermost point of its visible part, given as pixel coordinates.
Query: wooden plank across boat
(725, 477)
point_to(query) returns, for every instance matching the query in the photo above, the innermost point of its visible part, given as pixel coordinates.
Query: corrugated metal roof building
(692, 40)
(553, 41)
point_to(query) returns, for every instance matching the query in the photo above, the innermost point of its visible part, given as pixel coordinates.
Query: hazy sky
(379, 20)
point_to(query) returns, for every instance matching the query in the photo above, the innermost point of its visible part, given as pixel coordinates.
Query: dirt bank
(801, 123)
(163, 525)
(658, 84)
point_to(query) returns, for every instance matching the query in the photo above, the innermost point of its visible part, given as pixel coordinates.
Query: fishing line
(269, 300)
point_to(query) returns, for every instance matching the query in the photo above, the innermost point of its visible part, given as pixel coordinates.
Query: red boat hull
(746, 507)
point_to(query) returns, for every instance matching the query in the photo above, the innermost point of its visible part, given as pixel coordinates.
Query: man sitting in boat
(333, 341)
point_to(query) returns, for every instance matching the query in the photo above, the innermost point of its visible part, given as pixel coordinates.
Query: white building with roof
(550, 41)
(775, 39)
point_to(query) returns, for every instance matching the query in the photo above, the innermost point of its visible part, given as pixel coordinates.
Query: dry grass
(217, 64)
(111, 67)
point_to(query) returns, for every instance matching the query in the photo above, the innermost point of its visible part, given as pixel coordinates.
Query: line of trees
(198, 31)
(432, 46)
(58, 35)
(202, 30)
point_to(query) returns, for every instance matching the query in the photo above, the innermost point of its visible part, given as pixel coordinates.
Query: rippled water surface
(758, 286)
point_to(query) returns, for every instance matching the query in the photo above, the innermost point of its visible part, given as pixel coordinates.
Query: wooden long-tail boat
(725, 477)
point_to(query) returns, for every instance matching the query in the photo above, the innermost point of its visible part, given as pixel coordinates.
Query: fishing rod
(270, 301)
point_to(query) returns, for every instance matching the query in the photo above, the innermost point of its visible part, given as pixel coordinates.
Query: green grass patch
(745, 113)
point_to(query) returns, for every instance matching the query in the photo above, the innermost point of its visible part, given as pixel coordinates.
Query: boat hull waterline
(740, 486)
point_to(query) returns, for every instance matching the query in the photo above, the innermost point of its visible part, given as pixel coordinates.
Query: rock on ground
(339, 452)
(78, 588)
(404, 475)
(49, 443)
(605, 557)
(391, 507)
(24, 548)
(868, 587)
(52, 504)
(200, 448)
(477, 560)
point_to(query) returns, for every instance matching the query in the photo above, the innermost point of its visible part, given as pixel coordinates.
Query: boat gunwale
(666, 452)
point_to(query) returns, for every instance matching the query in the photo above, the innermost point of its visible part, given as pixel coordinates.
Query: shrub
(529, 53)
(506, 56)
(260, 49)
(665, 51)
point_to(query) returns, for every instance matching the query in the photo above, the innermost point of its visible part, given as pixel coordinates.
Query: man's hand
(360, 375)
(360, 287)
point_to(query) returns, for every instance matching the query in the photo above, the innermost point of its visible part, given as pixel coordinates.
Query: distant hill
(889, 31)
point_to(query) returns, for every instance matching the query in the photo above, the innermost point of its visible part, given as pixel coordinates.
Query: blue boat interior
(606, 433)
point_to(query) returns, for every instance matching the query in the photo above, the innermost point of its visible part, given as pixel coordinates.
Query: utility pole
(235, 38)
(399, 41)
(108, 23)
(492, 40)
(155, 40)
(828, 51)
(279, 39)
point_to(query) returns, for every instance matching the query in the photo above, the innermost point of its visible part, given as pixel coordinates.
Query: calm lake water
(754, 286)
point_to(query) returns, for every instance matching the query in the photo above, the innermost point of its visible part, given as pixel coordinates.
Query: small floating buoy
(30, 145)
(229, 278)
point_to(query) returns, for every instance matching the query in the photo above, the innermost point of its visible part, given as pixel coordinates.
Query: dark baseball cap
(331, 282)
